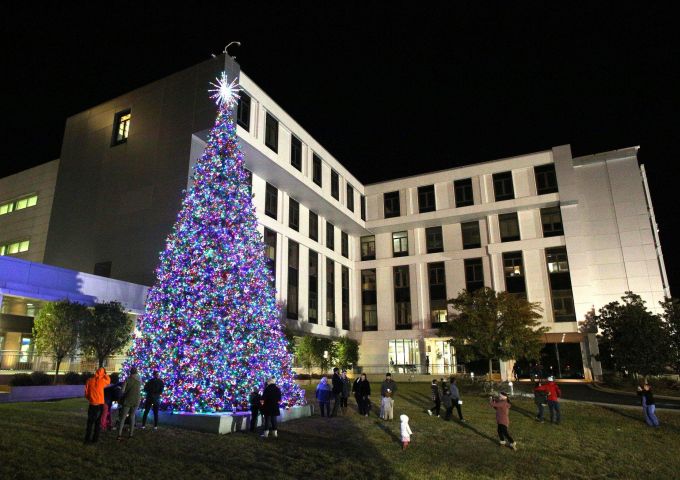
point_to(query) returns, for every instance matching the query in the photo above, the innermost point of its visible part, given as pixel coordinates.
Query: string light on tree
(212, 326)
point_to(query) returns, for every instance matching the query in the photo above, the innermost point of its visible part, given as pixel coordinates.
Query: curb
(600, 388)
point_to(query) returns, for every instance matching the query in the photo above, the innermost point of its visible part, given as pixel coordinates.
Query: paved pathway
(583, 392)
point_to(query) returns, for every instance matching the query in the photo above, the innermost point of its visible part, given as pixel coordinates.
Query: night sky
(389, 91)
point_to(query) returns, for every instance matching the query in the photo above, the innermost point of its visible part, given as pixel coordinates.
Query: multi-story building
(376, 262)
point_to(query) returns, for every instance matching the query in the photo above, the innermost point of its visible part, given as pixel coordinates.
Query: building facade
(375, 262)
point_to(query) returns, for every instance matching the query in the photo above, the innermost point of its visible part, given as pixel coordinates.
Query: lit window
(400, 244)
(557, 260)
(121, 127)
(18, 204)
(14, 247)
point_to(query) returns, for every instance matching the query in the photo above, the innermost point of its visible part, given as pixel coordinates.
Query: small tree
(492, 324)
(347, 352)
(305, 354)
(671, 317)
(316, 352)
(631, 337)
(56, 329)
(108, 332)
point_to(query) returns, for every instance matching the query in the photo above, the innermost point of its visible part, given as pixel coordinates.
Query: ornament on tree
(212, 327)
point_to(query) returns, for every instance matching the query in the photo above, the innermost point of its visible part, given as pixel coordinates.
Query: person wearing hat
(502, 404)
(554, 394)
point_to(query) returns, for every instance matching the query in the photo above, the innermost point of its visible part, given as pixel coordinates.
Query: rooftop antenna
(226, 49)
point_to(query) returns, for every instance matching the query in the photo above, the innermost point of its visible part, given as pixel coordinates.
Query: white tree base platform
(221, 423)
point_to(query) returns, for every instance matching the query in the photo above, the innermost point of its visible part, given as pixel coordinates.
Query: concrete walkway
(587, 393)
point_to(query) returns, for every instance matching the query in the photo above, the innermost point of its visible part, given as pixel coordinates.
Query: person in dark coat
(540, 399)
(112, 394)
(648, 405)
(271, 397)
(436, 398)
(337, 391)
(455, 396)
(254, 400)
(447, 401)
(346, 388)
(362, 390)
(153, 389)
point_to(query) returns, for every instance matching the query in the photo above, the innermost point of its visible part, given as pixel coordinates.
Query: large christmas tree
(212, 326)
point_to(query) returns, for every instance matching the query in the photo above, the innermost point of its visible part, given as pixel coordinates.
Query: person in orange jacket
(94, 392)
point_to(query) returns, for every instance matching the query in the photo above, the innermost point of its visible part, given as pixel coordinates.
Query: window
(471, 236)
(392, 208)
(546, 179)
(271, 133)
(293, 214)
(121, 127)
(344, 244)
(313, 226)
(350, 197)
(369, 303)
(368, 247)
(434, 241)
(293, 266)
(363, 208)
(509, 227)
(400, 244)
(345, 298)
(474, 274)
(402, 298)
(463, 190)
(404, 354)
(271, 201)
(330, 293)
(502, 186)
(14, 247)
(243, 111)
(560, 284)
(316, 169)
(513, 271)
(563, 306)
(437, 279)
(426, 200)
(313, 297)
(330, 236)
(335, 185)
(551, 219)
(557, 260)
(18, 204)
(270, 253)
(26, 352)
(103, 269)
(296, 152)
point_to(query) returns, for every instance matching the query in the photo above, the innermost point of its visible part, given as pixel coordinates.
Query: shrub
(40, 378)
(21, 380)
(73, 378)
(84, 376)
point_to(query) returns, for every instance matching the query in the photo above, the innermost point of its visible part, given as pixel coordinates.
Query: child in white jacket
(405, 432)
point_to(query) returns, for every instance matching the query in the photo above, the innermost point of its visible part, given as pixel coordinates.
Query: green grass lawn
(44, 440)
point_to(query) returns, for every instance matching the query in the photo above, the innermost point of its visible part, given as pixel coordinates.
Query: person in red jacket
(554, 394)
(94, 392)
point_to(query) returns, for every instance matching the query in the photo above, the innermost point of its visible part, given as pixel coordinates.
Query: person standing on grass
(346, 388)
(94, 392)
(131, 396)
(455, 396)
(362, 390)
(111, 394)
(337, 391)
(405, 432)
(436, 398)
(388, 385)
(447, 401)
(387, 406)
(153, 389)
(502, 406)
(323, 396)
(540, 399)
(270, 408)
(648, 405)
(254, 400)
(554, 394)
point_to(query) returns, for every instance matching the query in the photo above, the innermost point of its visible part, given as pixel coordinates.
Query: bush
(40, 378)
(73, 378)
(84, 376)
(21, 380)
